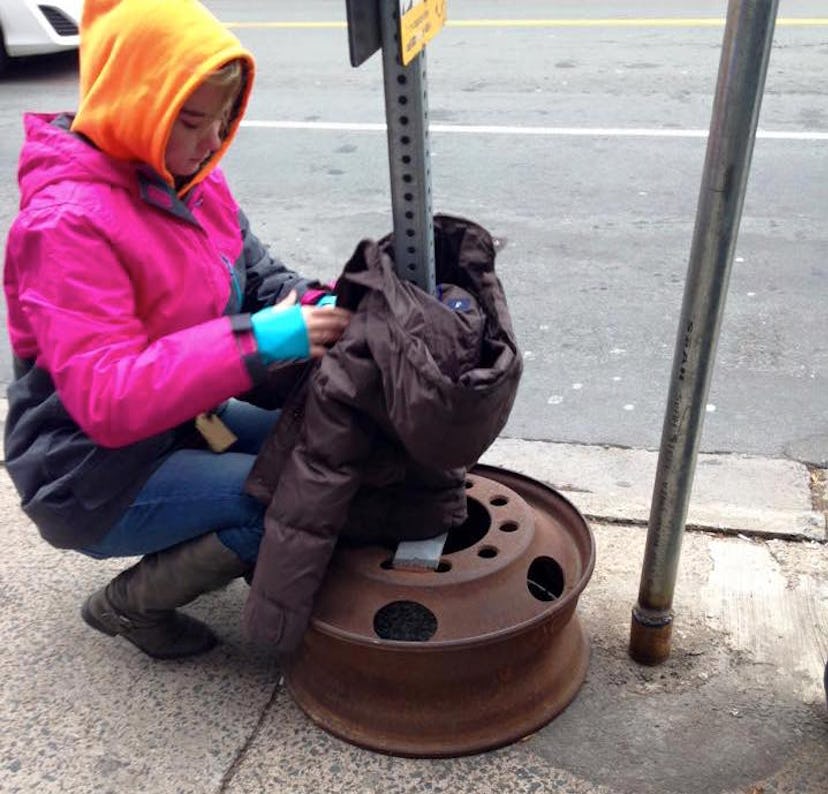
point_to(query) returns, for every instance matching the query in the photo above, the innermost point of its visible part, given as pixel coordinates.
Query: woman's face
(198, 130)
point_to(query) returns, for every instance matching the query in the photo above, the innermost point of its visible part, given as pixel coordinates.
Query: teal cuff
(280, 335)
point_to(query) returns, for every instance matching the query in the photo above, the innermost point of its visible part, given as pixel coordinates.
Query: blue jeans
(195, 492)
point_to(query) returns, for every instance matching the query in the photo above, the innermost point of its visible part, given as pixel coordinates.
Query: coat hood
(139, 62)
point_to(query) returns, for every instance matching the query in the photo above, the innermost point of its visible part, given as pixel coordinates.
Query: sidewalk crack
(818, 481)
(234, 767)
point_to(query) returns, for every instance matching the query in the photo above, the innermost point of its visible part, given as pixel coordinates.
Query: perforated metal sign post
(401, 29)
(374, 24)
(409, 154)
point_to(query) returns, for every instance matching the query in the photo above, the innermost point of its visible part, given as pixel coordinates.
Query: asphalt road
(596, 206)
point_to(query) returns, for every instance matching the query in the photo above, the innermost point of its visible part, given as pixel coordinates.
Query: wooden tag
(218, 436)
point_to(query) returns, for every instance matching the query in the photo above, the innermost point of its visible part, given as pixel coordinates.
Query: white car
(28, 27)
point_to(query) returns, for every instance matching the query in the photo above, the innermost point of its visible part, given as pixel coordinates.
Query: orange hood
(139, 62)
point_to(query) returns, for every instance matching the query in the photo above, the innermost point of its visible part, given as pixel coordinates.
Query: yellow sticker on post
(420, 22)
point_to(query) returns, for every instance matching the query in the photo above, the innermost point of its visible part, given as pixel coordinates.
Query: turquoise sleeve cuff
(280, 335)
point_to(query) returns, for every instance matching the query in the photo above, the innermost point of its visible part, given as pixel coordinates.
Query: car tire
(4, 58)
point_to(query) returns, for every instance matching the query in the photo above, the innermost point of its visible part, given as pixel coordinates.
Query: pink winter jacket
(128, 315)
(129, 291)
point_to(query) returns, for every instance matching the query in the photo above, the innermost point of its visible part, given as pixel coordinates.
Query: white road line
(483, 129)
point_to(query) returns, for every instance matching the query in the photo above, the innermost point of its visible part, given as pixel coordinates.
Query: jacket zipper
(234, 281)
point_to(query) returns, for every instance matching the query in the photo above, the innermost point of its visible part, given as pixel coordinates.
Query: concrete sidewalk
(738, 707)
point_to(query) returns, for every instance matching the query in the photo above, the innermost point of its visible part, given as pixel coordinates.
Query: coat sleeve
(268, 280)
(119, 384)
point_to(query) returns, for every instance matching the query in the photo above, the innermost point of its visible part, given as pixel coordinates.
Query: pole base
(651, 636)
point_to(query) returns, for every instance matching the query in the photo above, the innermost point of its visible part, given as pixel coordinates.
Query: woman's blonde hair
(232, 78)
(230, 75)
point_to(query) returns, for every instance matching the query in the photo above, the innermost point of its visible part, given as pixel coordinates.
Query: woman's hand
(276, 335)
(325, 325)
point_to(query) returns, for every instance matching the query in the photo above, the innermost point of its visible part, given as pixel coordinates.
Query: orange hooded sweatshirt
(139, 62)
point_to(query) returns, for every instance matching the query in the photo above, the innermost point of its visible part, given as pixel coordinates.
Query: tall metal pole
(409, 154)
(742, 70)
(409, 162)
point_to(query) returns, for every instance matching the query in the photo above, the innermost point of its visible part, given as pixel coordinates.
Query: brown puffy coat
(374, 443)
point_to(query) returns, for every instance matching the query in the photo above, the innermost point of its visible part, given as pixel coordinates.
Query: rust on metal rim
(477, 654)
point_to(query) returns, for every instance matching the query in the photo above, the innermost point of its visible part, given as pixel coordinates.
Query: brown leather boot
(140, 603)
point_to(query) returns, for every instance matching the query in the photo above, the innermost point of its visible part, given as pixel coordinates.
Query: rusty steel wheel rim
(473, 656)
